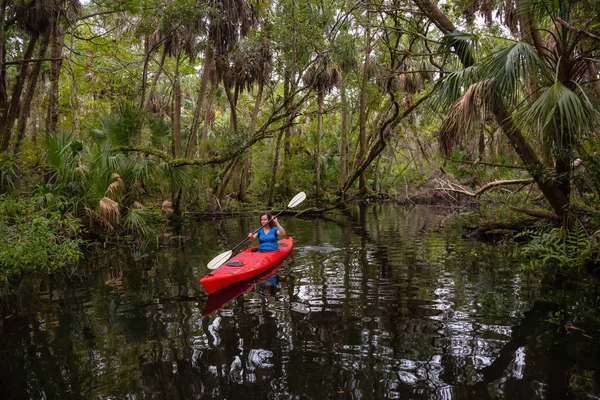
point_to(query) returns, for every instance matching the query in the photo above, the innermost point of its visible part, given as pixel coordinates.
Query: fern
(566, 250)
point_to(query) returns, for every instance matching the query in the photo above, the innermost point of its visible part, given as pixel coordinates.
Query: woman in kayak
(267, 235)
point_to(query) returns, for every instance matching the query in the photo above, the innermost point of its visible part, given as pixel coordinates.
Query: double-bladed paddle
(221, 258)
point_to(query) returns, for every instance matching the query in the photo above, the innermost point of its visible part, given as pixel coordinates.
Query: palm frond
(109, 210)
(463, 44)
(511, 66)
(144, 172)
(116, 187)
(560, 115)
(466, 113)
(452, 86)
(122, 126)
(116, 161)
(55, 145)
(138, 220)
(175, 175)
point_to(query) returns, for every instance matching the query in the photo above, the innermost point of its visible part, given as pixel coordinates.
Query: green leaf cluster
(36, 240)
(565, 250)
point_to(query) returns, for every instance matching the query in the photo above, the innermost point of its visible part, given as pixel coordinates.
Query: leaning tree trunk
(25, 108)
(8, 117)
(161, 64)
(558, 200)
(553, 194)
(384, 131)
(55, 66)
(225, 177)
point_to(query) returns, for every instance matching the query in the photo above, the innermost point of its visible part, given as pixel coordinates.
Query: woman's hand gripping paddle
(221, 258)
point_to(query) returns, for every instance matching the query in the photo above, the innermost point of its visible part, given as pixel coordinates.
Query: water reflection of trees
(383, 310)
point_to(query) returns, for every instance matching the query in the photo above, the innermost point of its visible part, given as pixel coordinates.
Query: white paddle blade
(220, 259)
(299, 198)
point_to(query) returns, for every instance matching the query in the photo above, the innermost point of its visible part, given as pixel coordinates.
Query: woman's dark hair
(269, 217)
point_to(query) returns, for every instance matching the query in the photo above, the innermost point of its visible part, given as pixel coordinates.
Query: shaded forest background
(114, 114)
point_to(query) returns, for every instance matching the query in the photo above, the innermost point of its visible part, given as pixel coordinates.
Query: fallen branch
(456, 188)
(536, 213)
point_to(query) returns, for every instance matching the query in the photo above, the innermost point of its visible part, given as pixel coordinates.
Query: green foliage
(8, 173)
(122, 127)
(559, 112)
(565, 250)
(33, 239)
(140, 221)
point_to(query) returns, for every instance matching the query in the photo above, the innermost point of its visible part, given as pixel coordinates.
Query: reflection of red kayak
(218, 299)
(246, 265)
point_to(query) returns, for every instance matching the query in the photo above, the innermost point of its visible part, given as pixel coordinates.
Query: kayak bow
(246, 265)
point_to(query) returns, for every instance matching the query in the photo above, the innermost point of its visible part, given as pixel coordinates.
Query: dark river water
(378, 302)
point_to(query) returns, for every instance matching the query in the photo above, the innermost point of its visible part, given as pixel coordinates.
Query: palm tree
(322, 76)
(551, 59)
(344, 54)
(252, 66)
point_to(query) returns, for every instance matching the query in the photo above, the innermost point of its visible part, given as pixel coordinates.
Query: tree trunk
(439, 19)
(343, 133)
(558, 199)
(553, 194)
(287, 84)
(246, 171)
(232, 108)
(270, 198)
(3, 98)
(177, 109)
(161, 64)
(177, 127)
(593, 72)
(362, 124)
(384, 131)
(55, 66)
(7, 120)
(207, 116)
(225, 177)
(320, 97)
(206, 74)
(233, 128)
(289, 89)
(25, 108)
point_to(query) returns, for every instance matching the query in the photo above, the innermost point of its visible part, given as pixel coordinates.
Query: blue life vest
(268, 241)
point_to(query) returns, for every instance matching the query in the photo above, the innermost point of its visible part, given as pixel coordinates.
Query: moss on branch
(177, 162)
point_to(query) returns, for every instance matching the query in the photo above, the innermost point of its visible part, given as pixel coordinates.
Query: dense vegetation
(111, 112)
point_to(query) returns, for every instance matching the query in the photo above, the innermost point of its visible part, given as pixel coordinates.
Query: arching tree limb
(453, 187)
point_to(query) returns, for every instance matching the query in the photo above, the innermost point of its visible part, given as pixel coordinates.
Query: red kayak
(218, 299)
(245, 265)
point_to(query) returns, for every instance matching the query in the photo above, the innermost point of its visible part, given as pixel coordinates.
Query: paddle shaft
(262, 226)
